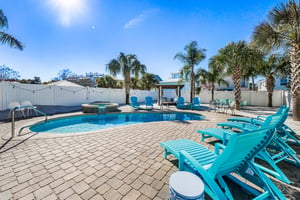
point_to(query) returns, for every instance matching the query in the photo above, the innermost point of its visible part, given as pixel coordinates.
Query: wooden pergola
(161, 87)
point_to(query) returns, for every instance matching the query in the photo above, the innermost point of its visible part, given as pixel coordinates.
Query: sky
(85, 35)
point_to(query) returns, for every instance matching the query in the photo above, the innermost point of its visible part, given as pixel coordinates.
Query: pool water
(85, 123)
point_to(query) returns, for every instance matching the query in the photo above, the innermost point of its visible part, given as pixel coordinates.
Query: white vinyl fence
(64, 95)
(73, 96)
(254, 98)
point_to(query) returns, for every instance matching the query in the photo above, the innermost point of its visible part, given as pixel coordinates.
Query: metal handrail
(13, 118)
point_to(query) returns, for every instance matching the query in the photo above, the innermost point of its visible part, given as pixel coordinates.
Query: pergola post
(159, 94)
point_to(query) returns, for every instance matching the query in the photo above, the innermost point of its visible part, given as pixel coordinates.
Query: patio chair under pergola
(163, 86)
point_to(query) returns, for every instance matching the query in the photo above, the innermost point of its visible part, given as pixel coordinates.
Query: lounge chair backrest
(133, 101)
(229, 101)
(196, 100)
(276, 120)
(281, 109)
(240, 149)
(180, 100)
(243, 103)
(149, 101)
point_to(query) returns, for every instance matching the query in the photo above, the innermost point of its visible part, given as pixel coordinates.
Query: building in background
(89, 79)
(280, 84)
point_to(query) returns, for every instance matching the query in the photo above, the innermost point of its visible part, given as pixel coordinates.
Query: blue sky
(84, 35)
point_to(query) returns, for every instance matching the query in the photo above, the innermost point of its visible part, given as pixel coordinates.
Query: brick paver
(120, 163)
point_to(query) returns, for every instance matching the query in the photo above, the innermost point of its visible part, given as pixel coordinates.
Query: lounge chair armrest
(257, 121)
(218, 146)
(260, 117)
(183, 156)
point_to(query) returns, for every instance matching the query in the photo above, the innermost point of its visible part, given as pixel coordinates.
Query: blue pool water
(85, 123)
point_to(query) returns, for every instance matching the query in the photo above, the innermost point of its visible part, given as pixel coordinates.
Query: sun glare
(69, 11)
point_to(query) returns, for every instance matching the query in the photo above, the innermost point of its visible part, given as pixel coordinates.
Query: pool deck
(117, 163)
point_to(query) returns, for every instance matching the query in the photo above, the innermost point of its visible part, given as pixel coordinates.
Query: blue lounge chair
(149, 103)
(195, 105)
(237, 157)
(277, 150)
(134, 103)
(181, 104)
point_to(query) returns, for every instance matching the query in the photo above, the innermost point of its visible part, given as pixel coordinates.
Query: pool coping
(36, 135)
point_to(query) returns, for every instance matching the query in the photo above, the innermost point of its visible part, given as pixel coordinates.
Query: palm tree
(5, 38)
(191, 57)
(282, 30)
(127, 65)
(214, 76)
(234, 56)
(273, 66)
(134, 83)
(148, 81)
(253, 65)
(107, 82)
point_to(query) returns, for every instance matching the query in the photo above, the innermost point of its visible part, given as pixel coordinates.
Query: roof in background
(65, 83)
(174, 81)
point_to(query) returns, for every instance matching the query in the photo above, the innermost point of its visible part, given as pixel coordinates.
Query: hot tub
(99, 107)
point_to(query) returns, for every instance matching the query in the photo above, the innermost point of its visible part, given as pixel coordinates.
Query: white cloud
(139, 18)
(69, 11)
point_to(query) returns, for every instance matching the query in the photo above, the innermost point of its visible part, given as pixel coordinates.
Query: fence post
(13, 123)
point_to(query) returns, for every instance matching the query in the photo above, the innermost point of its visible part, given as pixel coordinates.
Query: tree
(64, 74)
(107, 82)
(234, 56)
(148, 81)
(191, 57)
(6, 38)
(281, 30)
(127, 65)
(7, 73)
(215, 75)
(35, 80)
(273, 66)
(251, 70)
(134, 83)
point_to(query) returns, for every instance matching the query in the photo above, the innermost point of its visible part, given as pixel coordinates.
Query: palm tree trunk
(237, 86)
(127, 88)
(295, 80)
(192, 85)
(253, 86)
(213, 92)
(270, 82)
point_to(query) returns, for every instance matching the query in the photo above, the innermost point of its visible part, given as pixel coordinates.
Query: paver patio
(118, 163)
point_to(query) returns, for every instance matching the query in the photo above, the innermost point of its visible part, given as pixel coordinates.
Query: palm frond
(10, 40)
(114, 67)
(3, 20)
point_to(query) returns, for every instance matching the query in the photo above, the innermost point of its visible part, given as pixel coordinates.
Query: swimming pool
(86, 123)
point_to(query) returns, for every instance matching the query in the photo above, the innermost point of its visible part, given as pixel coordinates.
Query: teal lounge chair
(230, 106)
(243, 103)
(237, 157)
(285, 132)
(195, 105)
(134, 103)
(277, 150)
(149, 103)
(181, 104)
